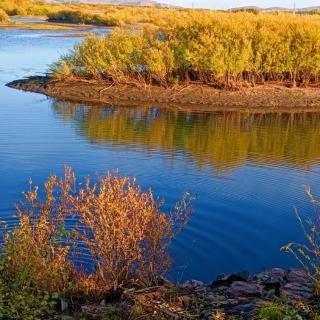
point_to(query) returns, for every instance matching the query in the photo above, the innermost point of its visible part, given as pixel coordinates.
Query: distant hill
(315, 8)
(145, 3)
(153, 3)
(277, 9)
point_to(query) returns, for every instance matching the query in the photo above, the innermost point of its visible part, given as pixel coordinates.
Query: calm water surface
(247, 171)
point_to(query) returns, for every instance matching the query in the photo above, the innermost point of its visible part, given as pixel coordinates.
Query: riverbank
(233, 296)
(270, 96)
(44, 25)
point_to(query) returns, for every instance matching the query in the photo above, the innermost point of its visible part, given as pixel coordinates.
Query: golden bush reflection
(223, 140)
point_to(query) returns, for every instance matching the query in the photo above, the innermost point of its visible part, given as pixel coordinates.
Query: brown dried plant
(121, 227)
(125, 232)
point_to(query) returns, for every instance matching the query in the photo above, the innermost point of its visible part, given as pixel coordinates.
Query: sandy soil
(270, 97)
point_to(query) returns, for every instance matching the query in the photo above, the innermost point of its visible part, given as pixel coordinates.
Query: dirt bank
(270, 97)
(44, 25)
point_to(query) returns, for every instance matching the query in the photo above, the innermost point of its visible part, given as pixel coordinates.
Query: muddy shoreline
(267, 97)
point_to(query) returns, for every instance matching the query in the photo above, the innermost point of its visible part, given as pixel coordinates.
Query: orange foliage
(123, 229)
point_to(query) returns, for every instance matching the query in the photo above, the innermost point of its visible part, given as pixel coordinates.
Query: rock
(184, 301)
(245, 289)
(298, 276)
(271, 278)
(200, 290)
(93, 309)
(64, 305)
(214, 298)
(220, 289)
(171, 315)
(218, 300)
(223, 279)
(246, 310)
(193, 284)
(228, 303)
(66, 318)
(296, 292)
(207, 313)
(299, 286)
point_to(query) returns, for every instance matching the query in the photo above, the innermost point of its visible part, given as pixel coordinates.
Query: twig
(104, 89)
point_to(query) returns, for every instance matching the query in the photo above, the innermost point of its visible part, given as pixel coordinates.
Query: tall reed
(308, 253)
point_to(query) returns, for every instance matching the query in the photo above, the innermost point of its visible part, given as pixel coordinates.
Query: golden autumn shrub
(3, 16)
(215, 48)
(36, 252)
(125, 232)
(113, 222)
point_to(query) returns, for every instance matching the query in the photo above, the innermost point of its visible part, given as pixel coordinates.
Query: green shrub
(278, 311)
(19, 300)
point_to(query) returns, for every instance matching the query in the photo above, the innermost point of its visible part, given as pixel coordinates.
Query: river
(246, 171)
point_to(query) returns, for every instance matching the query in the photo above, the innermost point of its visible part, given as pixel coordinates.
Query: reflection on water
(223, 140)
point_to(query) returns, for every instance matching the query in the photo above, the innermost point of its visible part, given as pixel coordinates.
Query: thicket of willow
(3, 16)
(221, 49)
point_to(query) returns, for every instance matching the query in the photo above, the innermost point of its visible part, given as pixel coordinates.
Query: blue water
(246, 171)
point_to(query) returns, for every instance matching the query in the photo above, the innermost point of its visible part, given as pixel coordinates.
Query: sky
(225, 4)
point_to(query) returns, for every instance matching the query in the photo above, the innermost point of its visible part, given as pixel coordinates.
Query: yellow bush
(216, 48)
(3, 16)
(121, 227)
(34, 252)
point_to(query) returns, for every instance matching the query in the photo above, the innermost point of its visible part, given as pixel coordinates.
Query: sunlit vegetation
(100, 14)
(81, 17)
(15, 7)
(113, 15)
(279, 310)
(3, 16)
(169, 46)
(222, 140)
(219, 49)
(111, 225)
(308, 253)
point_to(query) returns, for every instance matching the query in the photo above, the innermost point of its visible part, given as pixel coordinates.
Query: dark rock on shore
(245, 289)
(229, 279)
(241, 295)
(272, 278)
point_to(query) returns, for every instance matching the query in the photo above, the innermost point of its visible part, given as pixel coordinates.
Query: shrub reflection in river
(223, 140)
